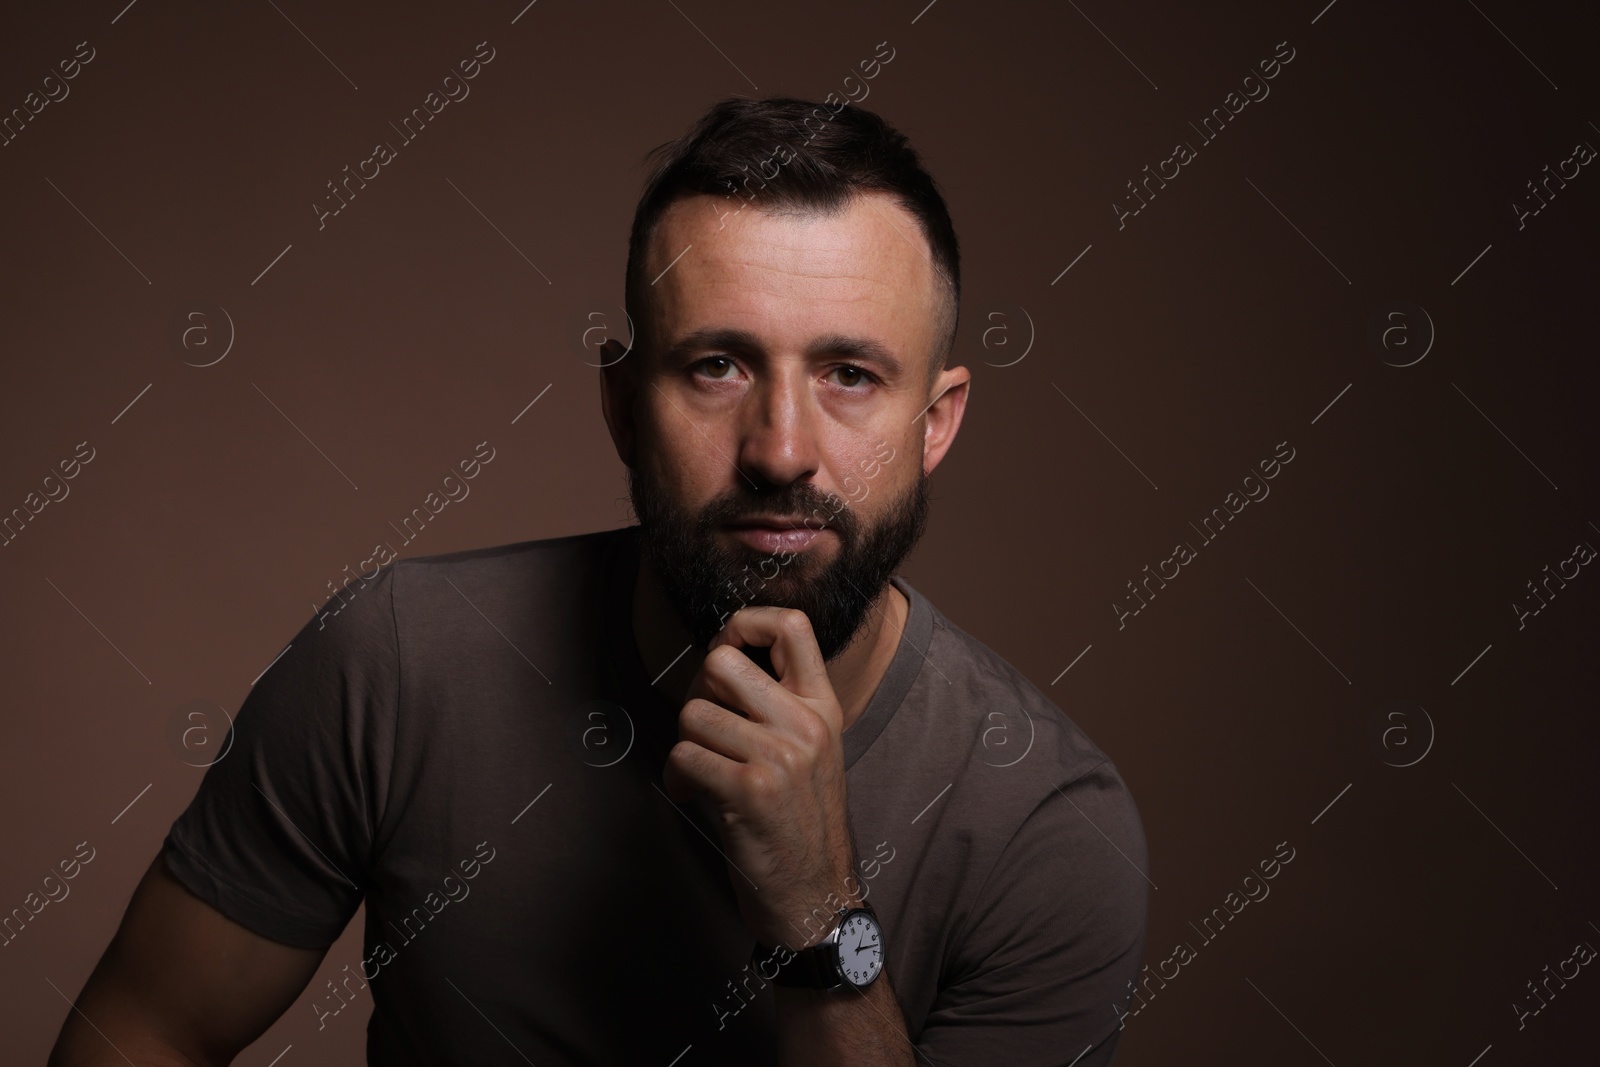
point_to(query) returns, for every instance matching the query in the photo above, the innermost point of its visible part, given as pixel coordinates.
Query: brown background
(1239, 704)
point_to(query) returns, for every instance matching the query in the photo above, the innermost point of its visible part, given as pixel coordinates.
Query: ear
(618, 389)
(944, 415)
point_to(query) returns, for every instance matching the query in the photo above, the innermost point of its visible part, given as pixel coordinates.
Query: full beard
(706, 580)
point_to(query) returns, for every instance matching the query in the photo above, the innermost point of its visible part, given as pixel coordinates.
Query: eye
(852, 376)
(726, 363)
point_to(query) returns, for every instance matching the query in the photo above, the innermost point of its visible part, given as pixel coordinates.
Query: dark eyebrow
(860, 349)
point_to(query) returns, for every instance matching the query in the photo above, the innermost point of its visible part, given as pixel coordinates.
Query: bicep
(181, 978)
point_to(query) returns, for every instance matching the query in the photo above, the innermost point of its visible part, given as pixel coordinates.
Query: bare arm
(181, 985)
(845, 1027)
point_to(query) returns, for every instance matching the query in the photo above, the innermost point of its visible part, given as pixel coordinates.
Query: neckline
(659, 718)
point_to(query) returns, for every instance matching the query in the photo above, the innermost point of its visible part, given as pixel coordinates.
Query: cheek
(881, 463)
(666, 440)
(683, 465)
(870, 474)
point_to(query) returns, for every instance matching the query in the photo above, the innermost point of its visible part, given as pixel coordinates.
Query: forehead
(864, 270)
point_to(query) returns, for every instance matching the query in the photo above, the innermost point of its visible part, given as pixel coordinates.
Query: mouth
(777, 522)
(778, 534)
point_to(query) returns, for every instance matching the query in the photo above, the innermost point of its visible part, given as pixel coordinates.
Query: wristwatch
(849, 957)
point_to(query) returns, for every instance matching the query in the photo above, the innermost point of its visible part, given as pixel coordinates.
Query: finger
(787, 632)
(679, 789)
(692, 766)
(722, 731)
(728, 677)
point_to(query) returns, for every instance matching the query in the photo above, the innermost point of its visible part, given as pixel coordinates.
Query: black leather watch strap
(808, 968)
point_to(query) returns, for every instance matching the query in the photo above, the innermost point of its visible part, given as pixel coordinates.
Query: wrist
(824, 918)
(847, 952)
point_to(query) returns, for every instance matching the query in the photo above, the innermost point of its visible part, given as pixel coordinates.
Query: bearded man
(717, 788)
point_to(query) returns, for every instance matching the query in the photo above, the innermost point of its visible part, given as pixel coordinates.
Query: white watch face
(860, 949)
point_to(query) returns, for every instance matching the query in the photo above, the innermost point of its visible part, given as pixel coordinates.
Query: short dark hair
(823, 158)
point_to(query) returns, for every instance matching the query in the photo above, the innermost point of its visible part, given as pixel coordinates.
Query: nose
(777, 430)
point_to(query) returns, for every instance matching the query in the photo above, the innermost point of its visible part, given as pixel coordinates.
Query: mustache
(706, 580)
(812, 506)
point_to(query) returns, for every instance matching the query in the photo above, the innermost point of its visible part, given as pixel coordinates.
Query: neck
(854, 673)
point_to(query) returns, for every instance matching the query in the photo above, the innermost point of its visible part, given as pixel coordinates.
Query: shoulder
(397, 607)
(547, 552)
(979, 755)
(1028, 781)
(525, 573)
(1017, 724)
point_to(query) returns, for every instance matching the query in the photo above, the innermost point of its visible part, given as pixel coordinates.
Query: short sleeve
(1057, 934)
(279, 836)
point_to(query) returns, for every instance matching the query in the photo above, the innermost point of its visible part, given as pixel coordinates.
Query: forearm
(83, 1045)
(842, 1028)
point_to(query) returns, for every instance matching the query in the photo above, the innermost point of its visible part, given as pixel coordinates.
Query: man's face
(785, 388)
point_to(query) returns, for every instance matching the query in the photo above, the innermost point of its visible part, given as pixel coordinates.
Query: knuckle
(812, 731)
(723, 656)
(796, 622)
(760, 785)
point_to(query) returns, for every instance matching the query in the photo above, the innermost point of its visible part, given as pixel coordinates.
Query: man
(720, 786)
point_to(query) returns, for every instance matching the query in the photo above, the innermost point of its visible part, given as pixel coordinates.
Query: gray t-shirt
(471, 745)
